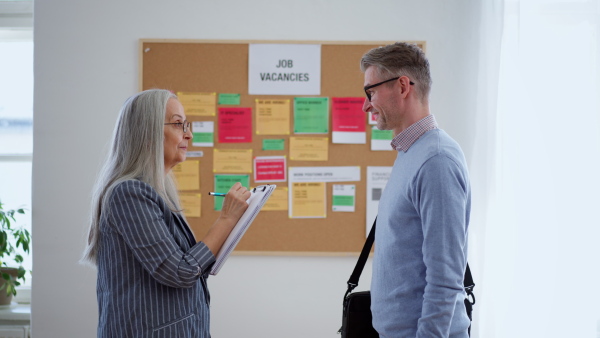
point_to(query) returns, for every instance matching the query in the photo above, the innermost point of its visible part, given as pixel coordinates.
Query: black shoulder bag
(357, 321)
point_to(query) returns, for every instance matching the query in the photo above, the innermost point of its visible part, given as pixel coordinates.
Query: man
(421, 235)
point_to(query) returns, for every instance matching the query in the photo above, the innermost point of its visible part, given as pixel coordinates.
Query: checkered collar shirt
(410, 135)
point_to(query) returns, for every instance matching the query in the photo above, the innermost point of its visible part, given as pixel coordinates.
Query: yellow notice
(308, 200)
(272, 117)
(190, 203)
(187, 174)
(232, 161)
(309, 148)
(198, 104)
(278, 200)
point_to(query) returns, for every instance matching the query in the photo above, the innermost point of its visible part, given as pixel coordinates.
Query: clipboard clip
(264, 187)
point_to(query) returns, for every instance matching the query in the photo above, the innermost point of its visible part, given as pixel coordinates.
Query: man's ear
(405, 86)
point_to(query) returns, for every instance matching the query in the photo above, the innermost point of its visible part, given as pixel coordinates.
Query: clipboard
(256, 201)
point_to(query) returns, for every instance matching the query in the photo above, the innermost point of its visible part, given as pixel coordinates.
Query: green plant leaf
(3, 242)
(10, 289)
(13, 243)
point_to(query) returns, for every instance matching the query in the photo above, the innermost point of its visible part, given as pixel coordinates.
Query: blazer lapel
(180, 222)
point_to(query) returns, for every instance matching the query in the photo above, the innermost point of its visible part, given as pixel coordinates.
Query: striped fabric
(407, 137)
(151, 272)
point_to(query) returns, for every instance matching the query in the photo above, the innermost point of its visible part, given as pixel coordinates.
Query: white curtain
(535, 235)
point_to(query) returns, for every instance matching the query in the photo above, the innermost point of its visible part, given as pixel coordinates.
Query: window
(539, 237)
(16, 124)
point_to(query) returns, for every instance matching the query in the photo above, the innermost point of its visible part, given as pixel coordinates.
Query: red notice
(269, 169)
(235, 125)
(347, 114)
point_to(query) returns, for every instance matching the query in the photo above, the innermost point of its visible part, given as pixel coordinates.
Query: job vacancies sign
(284, 69)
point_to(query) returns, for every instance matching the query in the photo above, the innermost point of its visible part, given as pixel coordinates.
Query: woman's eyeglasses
(185, 125)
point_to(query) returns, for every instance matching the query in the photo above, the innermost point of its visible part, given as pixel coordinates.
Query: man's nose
(367, 105)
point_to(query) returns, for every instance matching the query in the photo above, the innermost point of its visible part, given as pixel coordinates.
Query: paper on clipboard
(259, 196)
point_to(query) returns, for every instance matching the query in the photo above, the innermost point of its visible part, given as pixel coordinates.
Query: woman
(151, 271)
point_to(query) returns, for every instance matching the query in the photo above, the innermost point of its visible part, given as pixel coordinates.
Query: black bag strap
(469, 285)
(362, 260)
(468, 278)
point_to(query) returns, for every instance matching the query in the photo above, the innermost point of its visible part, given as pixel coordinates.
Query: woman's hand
(235, 203)
(233, 208)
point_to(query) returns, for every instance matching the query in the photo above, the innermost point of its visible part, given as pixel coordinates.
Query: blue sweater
(421, 242)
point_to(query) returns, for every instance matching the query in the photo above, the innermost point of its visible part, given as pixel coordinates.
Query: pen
(216, 194)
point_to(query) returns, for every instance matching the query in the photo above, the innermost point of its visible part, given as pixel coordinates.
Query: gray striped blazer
(151, 272)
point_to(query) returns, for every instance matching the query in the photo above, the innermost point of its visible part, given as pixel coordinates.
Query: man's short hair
(400, 59)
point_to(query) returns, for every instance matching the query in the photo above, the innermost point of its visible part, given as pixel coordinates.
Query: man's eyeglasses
(185, 125)
(379, 84)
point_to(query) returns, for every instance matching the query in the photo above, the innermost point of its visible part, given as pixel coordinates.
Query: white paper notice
(203, 134)
(377, 178)
(324, 174)
(344, 197)
(198, 153)
(381, 139)
(372, 119)
(284, 69)
(349, 137)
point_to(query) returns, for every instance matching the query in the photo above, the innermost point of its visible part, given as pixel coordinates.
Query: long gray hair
(136, 152)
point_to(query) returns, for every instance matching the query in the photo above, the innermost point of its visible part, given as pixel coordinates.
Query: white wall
(86, 64)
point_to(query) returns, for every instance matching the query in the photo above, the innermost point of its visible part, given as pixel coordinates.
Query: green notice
(273, 144)
(311, 115)
(343, 201)
(229, 99)
(224, 182)
(382, 134)
(203, 137)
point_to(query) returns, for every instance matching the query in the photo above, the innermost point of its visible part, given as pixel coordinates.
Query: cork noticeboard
(222, 67)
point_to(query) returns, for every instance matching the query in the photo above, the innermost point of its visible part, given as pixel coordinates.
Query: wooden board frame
(222, 66)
